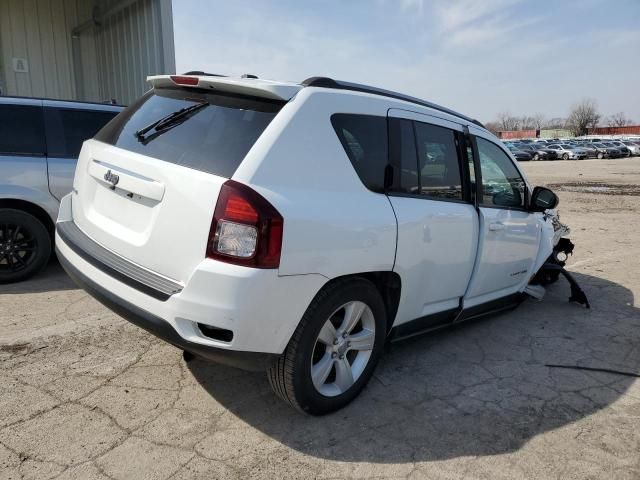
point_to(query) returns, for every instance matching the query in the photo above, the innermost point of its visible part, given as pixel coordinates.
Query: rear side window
(67, 128)
(21, 130)
(213, 139)
(364, 139)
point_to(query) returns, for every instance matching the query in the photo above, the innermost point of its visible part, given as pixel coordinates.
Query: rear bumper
(257, 309)
(254, 361)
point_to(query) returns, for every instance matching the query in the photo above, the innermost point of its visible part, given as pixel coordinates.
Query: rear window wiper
(167, 122)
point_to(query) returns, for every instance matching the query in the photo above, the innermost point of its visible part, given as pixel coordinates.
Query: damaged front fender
(554, 251)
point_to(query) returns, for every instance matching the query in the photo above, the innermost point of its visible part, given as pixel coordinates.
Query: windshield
(214, 135)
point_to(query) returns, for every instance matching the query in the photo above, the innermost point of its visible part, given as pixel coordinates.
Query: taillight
(246, 229)
(184, 80)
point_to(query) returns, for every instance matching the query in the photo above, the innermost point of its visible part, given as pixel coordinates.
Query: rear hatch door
(148, 194)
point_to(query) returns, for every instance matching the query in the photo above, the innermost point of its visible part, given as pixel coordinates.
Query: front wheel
(334, 350)
(600, 155)
(565, 156)
(25, 245)
(536, 157)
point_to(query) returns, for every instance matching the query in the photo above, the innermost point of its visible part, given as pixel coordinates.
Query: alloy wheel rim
(343, 348)
(17, 248)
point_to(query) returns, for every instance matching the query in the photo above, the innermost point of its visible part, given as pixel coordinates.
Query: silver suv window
(21, 130)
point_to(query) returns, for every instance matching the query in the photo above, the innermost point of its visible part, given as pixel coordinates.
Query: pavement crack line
(595, 369)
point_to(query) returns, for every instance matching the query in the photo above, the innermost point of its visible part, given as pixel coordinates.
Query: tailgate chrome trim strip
(135, 276)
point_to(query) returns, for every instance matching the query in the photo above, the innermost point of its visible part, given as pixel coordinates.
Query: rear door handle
(496, 226)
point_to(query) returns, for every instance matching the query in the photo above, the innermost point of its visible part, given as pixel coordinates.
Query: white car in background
(568, 152)
(297, 227)
(633, 146)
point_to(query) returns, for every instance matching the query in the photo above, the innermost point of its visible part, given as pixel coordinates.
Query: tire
(25, 245)
(600, 155)
(536, 157)
(565, 156)
(291, 375)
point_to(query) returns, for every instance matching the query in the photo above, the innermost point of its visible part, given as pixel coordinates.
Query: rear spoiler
(247, 86)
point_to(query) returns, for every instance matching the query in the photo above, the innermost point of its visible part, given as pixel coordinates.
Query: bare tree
(555, 123)
(506, 121)
(539, 120)
(493, 127)
(583, 115)
(618, 120)
(527, 122)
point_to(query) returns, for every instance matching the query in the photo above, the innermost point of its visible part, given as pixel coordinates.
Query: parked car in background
(604, 151)
(633, 146)
(539, 151)
(621, 151)
(567, 152)
(189, 219)
(520, 155)
(588, 148)
(39, 145)
(622, 147)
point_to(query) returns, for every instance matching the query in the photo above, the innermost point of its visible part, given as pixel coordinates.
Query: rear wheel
(536, 157)
(334, 350)
(25, 245)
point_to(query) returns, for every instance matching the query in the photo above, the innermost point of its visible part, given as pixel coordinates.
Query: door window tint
(21, 130)
(364, 139)
(67, 128)
(438, 162)
(502, 184)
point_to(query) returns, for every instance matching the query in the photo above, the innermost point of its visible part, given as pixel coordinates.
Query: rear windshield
(213, 139)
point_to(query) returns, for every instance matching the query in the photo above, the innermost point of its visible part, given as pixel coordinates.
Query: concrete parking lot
(83, 394)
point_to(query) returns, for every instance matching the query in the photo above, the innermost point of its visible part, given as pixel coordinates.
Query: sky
(479, 57)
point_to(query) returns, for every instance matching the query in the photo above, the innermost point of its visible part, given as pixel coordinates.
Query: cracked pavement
(85, 395)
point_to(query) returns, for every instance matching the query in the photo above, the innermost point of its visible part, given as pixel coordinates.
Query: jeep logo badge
(112, 178)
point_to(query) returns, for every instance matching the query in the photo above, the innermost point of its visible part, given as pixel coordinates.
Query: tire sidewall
(305, 392)
(42, 239)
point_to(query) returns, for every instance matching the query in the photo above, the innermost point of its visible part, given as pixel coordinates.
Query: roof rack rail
(327, 82)
(201, 73)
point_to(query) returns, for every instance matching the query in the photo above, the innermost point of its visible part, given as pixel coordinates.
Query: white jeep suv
(297, 227)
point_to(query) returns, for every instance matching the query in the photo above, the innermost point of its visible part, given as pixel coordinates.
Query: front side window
(68, 128)
(438, 162)
(502, 184)
(21, 130)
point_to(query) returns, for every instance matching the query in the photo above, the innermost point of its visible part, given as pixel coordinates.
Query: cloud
(458, 14)
(478, 57)
(499, 28)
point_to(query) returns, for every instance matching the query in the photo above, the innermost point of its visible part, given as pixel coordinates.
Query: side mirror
(543, 199)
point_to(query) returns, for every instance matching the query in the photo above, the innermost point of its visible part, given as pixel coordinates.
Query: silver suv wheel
(343, 348)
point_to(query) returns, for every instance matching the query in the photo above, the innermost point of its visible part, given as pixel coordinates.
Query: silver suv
(40, 141)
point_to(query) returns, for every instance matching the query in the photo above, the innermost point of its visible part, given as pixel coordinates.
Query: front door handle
(496, 226)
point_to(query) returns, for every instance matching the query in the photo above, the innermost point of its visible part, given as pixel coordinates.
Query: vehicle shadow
(481, 388)
(52, 278)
